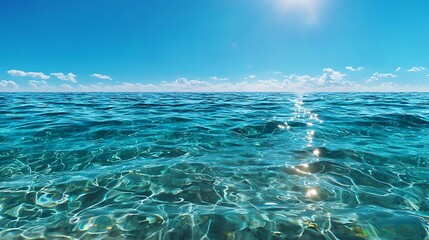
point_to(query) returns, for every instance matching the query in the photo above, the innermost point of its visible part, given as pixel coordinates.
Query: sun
(299, 4)
(310, 10)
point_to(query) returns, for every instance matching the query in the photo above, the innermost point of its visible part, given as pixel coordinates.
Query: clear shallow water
(214, 166)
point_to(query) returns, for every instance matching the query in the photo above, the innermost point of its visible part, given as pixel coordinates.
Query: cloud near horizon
(299, 84)
(69, 77)
(416, 69)
(376, 76)
(19, 73)
(354, 69)
(41, 85)
(329, 80)
(294, 83)
(218, 78)
(101, 76)
(8, 84)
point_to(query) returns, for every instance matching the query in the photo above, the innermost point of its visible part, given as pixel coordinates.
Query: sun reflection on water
(316, 152)
(312, 193)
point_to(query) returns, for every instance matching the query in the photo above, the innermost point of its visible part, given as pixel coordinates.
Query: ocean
(214, 166)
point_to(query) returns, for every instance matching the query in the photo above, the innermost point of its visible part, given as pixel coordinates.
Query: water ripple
(214, 166)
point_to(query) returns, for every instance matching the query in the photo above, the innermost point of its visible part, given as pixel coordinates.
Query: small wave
(257, 130)
(394, 120)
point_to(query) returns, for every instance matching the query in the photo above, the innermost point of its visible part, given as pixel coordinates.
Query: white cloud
(416, 69)
(354, 69)
(330, 76)
(376, 76)
(101, 76)
(19, 73)
(270, 85)
(329, 80)
(66, 86)
(388, 85)
(184, 84)
(398, 69)
(218, 78)
(44, 86)
(41, 85)
(123, 87)
(8, 84)
(69, 77)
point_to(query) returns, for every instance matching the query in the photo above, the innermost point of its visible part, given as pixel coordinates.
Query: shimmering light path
(214, 166)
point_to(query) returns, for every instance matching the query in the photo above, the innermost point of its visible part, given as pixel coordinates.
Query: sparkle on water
(214, 166)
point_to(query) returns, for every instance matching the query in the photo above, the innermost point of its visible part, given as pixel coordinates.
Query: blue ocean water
(214, 166)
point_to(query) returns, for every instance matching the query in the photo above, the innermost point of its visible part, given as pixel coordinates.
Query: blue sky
(214, 45)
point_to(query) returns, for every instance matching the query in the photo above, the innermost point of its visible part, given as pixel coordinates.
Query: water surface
(214, 166)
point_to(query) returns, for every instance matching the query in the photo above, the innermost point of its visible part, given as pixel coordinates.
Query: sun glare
(308, 9)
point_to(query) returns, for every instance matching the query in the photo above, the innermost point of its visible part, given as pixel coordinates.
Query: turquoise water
(214, 166)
